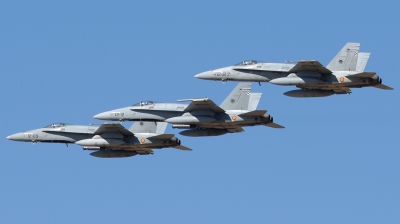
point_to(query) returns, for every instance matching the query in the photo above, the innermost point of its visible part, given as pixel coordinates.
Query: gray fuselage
(75, 133)
(266, 72)
(174, 114)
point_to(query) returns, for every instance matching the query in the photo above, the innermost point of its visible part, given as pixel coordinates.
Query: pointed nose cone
(205, 75)
(16, 137)
(102, 116)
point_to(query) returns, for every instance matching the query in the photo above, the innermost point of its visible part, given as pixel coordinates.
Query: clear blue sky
(337, 161)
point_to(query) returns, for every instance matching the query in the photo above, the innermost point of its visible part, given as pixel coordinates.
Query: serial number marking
(221, 74)
(33, 136)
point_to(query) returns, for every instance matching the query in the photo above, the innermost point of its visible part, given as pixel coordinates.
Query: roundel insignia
(341, 79)
(142, 140)
(234, 117)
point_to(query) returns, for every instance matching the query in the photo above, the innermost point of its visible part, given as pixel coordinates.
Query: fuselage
(278, 73)
(85, 136)
(175, 115)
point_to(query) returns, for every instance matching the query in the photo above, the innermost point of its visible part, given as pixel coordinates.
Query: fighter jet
(202, 117)
(345, 71)
(108, 140)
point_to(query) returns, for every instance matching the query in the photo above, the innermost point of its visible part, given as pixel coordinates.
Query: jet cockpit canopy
(248, 62)
(56, 125)
(145, 103)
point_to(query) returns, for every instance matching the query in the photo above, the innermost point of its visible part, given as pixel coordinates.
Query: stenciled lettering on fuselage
(33, 136)
(221, 74)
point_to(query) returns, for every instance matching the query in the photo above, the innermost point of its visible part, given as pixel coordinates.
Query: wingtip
(274, 125)
(184, 148)
(385, 87)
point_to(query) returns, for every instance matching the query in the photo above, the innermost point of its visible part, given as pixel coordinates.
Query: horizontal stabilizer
(381, 86)
(181, 147)
(254, 113)
(163, 136)
(274, 125)
(363, 75)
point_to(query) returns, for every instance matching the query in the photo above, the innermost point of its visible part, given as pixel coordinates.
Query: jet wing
(381, 86)
(202, 104)
(112, 128)
(310, 66)
(274, 125)
(181, 147)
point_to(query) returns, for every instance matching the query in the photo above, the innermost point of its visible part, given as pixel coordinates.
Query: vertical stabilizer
(144, 127)
(346, 59)
(362, 61)
(254, 100)
(161, 126)
(238, 99)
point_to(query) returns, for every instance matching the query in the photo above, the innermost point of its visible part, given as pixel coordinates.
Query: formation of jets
(201, 116)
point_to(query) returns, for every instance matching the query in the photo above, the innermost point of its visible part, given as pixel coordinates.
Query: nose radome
(102, 116)
(16, 137)
(204, 75)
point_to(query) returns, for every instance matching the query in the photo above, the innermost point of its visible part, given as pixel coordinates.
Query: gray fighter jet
(108, 140)
(345, 71)
(202, 117)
